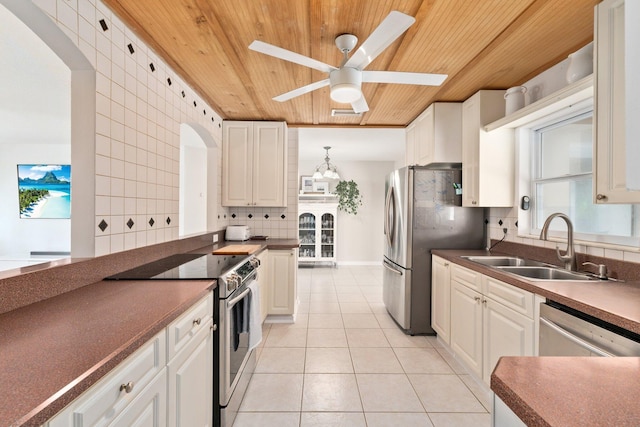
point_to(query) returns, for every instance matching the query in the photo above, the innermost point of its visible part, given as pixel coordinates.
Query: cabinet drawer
(99, 405)
(508, 295)
(466, 277)
(183, 329)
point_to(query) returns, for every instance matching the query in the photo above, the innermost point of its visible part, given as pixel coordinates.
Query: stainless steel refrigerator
(423, 211)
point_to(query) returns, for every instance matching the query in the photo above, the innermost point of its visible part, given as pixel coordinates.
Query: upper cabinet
(487, 157)
(436, 135)
(254, 164)
(613, 155)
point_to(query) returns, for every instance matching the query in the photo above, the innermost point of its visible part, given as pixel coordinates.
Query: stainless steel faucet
(569, 257)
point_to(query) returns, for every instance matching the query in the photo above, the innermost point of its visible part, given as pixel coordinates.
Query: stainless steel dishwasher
(568, 332)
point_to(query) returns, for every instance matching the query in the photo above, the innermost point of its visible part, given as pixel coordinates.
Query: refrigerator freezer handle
(390, 268)
(390, 204)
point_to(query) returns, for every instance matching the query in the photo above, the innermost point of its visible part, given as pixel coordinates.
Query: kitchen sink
(545, 273)
(503, 261)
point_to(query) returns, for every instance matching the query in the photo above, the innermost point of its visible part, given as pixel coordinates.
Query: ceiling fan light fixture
(345, 85)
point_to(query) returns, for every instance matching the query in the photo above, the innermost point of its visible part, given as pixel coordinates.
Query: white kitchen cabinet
(488, 160)
(436, 135)
(254, 164)
(263, 283)
(190, 370)
(132, 385)
(145, 390)
(611, 159)
(282, 273)
(489, 319)
(317, 232)
(441, 298)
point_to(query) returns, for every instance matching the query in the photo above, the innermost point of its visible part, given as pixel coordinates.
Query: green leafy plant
(349, 197)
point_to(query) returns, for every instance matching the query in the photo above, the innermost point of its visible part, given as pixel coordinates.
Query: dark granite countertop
(570, 391)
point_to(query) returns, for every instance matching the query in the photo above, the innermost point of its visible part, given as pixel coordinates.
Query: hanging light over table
(326, 170)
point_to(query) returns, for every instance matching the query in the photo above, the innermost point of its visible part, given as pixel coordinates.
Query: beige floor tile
(296, 337)
(323, 297)
(480, 391)
(444, 393)
(352, 298)
(397, 338)
(366, 338)
(457, 366)
(273, 393)
(378, 307)
(400, 419)
(355, 307)
(348, 289)
(387, 393)
(267, 419)
(303, 307)
(330, 392)
(276, 360)
(375, 360)
(325, 320)
(360, 321)
(327, 338)
(324, 307)
(422, 361)
(302, 321)
(460, 420)
(385, 321)
(328, 361)
(332, 419)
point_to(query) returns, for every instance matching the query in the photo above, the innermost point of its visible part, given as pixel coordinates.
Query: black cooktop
(182, 267)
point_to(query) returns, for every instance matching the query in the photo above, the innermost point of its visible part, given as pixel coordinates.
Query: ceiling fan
(345, 81)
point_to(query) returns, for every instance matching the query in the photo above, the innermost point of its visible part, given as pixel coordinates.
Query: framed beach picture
(306, 184)
(44, 191)
(321, 187)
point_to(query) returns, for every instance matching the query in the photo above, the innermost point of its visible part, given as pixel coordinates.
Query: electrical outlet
(215, 238)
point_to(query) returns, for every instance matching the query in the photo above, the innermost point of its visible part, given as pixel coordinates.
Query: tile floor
(345, 363)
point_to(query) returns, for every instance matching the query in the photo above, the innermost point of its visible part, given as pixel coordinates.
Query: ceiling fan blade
(287, 55)
(386, 33)
(401, 77)
(360, 106)
(301, 90)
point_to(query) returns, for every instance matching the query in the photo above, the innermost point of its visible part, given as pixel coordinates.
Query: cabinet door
(191, 382)
(470, 150)
(269, 164)
(506, 333)
(441, 298)
(264, 283)
(327, 235)
(282, 273)
(409, 154)
(610, 162)
(307, 234)
(237, 161)
(466, 325)
(424, 136)
(149, 408)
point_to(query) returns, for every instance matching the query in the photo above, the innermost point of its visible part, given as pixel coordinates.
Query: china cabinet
(317, 224)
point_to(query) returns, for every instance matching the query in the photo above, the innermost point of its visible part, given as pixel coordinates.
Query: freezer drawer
(396, 293)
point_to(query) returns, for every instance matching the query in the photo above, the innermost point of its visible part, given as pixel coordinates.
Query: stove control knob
(255, 262)
(233, 280)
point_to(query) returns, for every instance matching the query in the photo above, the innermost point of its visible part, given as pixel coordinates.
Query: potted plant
(349, 197)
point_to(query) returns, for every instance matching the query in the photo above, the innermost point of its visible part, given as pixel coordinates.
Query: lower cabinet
(282, 282)
(489, 319)
(263, 283)
(441, 298)
(145, 390)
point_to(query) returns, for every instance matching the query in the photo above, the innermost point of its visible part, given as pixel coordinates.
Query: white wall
(360, 237)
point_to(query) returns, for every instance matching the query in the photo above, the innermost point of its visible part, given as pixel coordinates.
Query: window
(562, 180)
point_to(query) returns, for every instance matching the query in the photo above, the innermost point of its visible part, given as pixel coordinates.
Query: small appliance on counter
(237, 232)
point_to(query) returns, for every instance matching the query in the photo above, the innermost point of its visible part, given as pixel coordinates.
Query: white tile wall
(138, 117)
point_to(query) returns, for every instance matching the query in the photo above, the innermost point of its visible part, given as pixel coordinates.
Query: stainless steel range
(235, 360)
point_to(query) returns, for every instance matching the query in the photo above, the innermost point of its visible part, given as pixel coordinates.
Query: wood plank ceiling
(480, 44)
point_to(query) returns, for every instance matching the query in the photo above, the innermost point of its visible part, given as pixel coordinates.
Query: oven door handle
(575, 339)
(235, 300)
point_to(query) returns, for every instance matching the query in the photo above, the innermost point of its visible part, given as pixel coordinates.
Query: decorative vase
(514, 99)
(580, 63)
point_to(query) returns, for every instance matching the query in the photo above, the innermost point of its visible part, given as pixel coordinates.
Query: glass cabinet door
(327, 235)
(307, 235)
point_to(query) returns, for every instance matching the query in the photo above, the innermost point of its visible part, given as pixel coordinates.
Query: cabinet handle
(484, 301)
(601, 197)
(127, 387)
(197, 321)
(446, 264)
(473, 202)
(214, 327)
(477, 299)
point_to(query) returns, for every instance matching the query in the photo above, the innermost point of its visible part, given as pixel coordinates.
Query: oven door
(234, 340)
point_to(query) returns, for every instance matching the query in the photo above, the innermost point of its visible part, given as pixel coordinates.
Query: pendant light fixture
(326, 170)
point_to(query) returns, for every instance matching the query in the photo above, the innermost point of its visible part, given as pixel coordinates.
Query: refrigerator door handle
(390, 268)
(389, 227)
